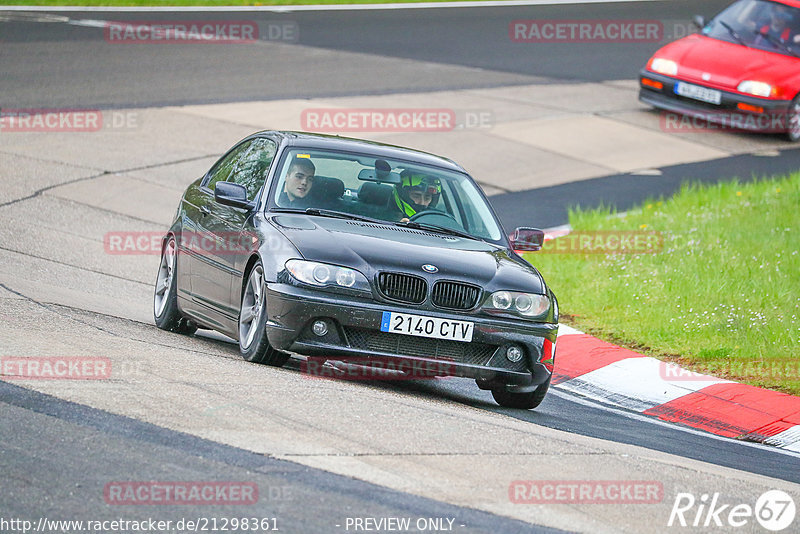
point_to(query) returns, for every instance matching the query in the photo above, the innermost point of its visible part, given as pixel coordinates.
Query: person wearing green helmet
(417, 192)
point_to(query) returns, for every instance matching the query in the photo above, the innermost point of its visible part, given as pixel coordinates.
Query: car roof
(335, 142)
(793, 3)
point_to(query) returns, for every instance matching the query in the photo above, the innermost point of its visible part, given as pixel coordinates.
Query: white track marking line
(566, 330)
(789, 439)
(637, 383)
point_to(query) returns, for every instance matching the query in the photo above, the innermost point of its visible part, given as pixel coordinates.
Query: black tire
(165, 295)
(255, 347)
(525, 401)
(793, 120)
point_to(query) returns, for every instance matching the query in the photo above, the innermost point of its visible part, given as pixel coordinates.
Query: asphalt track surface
(623, 191)
(48, 456)
(71, 71)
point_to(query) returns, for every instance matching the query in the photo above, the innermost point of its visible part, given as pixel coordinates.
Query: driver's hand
(405, 219)
(796, 38)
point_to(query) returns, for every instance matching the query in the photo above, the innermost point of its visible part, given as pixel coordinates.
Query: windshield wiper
(733, 33)
(777, 42)
(438, 229)
(330, 213)
(343, 215)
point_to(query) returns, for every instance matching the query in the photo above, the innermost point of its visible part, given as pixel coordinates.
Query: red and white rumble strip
(593, 368)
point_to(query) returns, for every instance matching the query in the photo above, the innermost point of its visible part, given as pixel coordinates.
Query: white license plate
(698, 93)
(419, 325)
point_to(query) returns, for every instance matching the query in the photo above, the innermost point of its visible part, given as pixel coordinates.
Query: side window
(223, 169)
(252, 167)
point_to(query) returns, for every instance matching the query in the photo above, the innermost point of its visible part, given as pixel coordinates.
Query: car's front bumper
(773, 119)
(354, 332)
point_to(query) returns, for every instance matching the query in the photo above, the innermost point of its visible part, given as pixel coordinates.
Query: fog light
(320, 328)
(514, 353)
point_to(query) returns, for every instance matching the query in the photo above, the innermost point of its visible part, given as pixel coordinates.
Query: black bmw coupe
(350, 250)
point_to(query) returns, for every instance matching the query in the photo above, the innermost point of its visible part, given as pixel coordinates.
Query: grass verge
(721, 297)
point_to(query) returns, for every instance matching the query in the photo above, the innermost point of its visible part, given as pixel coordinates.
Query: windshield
(391, 191)
(761, 24)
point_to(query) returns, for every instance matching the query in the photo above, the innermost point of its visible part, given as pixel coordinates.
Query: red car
(741, 71)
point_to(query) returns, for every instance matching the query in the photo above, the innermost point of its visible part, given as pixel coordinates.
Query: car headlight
(322, 274)
(664, 66)
(752, 87)
(515, 302)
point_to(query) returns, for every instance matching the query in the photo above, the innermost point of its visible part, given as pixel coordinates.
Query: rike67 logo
(774, 510)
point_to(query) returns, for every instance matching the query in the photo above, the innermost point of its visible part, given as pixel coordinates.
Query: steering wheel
(447, 220)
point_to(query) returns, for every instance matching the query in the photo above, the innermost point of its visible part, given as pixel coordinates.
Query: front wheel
(793, 132)
(165, 298)
(253, 343)
(525, 401)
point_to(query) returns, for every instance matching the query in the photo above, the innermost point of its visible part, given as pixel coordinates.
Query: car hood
(374, 247)
(727, 64)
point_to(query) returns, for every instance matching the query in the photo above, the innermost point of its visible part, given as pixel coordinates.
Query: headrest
(374, 193)
(326, 188)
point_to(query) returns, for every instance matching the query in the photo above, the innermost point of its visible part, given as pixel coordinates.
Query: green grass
(723, 295)
(197, 2)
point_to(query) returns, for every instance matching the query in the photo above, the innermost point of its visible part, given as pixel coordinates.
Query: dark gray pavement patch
(549, 206)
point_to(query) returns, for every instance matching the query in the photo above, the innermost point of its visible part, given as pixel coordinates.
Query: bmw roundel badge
(428, 268)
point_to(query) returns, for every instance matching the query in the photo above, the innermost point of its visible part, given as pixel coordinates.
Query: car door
(227, 242)
(250, 172)
(209, 284)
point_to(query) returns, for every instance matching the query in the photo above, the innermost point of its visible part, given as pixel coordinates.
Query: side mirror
(527, 239)
(699, 21)
(230, 194)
